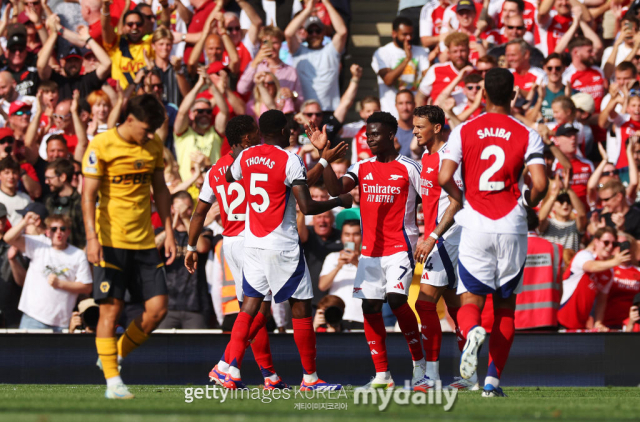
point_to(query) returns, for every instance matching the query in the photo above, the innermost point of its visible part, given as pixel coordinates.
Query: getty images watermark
(336, 400)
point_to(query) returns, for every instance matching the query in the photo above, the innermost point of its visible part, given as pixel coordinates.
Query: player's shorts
(491, 263)
(378, 276)
(233, 248)
(440, 267)
(284, 274)
(141, 272)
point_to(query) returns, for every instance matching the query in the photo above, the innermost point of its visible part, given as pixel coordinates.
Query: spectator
(64, 199)
(100, 104)
(217, 45)
(622, 47)
(86, 317)
(19, 62)
(558, 223)
(581, 168)
(328, 317)
(399, 65)
(219, 78)
(564, 112)
(270, 12)
(462, 18)
(607, 171)
(581, 74)
(549, 91)
(194, 128)
(625, 75)
(554, 20)
(57, 274)
(515, 28)
(484, 64)
(308, 60)
(152, 84)
(518, 58)
(33, 17)
(589, 276)
(632, 323)
(28, 177)
(411, 9)
(626, 126)
(50, 99)
(200, 24)
(358, 130)
(339, 273)
(90, 12)
(625, 286)
(172, 70)
(9, 95)
(472, 88)
(267, 95)
(67, 124)
(12, 199)
(405, 104)
(12, 275)
(244, 44)
(502, 13)
(318, 240)
(431, 16)
(189, 305)
(617, 212)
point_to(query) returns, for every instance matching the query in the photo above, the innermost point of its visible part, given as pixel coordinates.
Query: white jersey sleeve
(453, 151)
(426, 22)
(206, 193)
(535, 149)
(296, 171)
(353, 170)
(495, 7)
(414, 175)
(236, 169)
(427, 81)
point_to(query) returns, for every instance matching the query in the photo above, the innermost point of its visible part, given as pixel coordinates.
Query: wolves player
(439, 249)
(492, 149)
(389, 185)
(273, 258)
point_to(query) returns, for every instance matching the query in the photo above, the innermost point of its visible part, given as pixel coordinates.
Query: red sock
(408, 324)
(305, 339)
(259, 321)
(500, 341)
(227, 351)
(430, 327)
(376, 334)
(239, 337)
(453, 313)
(262, 352)
(468, 317)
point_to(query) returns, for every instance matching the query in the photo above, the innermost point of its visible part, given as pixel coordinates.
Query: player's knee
(156, 315)
(371, 306)
(396, 300)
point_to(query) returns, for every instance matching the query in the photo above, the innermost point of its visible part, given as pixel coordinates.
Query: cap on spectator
(23, 18)
(17, 106)
(584, 102)
(36, 207)
(16, 36)
(566, 129)
(71, 53)
(345, 215)
(6, 132)
(216, 67)
(3, 210)
(313, 20)
(465, 5)
(86, 304)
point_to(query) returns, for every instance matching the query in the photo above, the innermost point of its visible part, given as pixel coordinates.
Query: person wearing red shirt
(566, 140)
(431, 18)
(625, 286)
(525, 76)
(554, 19)
(201, 12)
(581, 74)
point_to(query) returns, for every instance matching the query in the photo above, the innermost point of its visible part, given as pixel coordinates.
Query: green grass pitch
(70, 403)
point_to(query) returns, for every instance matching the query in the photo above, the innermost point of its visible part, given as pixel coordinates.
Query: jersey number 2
(255, 190)
(485, 184)
(230, 209)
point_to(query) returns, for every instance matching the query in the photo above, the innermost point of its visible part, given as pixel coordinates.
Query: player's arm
(197, 223)
(90, 188)
(539, 184)
(337, 186)
(445, 179)
(162, 198)
(310, 207)
(424, 247)
(320, 140)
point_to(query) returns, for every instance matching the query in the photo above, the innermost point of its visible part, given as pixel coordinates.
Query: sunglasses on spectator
(608, 243)
(521, 28)
(204, 111)
(313, 114)
(7, 140)
(316, 31)
(31, 3)
(473, 87)
(149, 17)
(23, 113)
(610, 173)
(636, 57)
(233, 29)
(58, 116)
(154, 86)
(554, 68)
(136, 23)
(269, 83)
(55, 229)
(607, 199)
(16, 50)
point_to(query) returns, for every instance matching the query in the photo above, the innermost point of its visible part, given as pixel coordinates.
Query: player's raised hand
(191, 261)
(347, 200)
(423, 249)
(335, 153)
(318, 139)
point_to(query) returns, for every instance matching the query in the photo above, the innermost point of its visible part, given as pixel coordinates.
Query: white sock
(493, 381)
(420, 362)
(274, 377)
(383, 375)
(234, 372)
(114, 381)
(120, 359)
(433, 370)
(223, 366)
(310, 377)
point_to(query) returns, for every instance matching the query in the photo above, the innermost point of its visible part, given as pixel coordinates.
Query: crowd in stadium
(68, 71)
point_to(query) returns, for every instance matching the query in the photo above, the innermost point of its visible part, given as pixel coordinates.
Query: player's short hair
(579, 42)
(565, 102)
(351, 223)
(532, 219)
(369, 99)
(146, 108)
(238, 127)
(181, 194)
(624, 66)
(606, 229)
(162, 33)
(520, 4)
(383, 118)
(615, 186)
(62, 218)
(134, 12)
(401, 20)
(488, 59)
(272, 122)
(62, 166)
(455, 39)
(8, 163)
(473, 78)
(433, 113)
(552, 56)
(498, 83)
(524, 46)
(271, 31)
(48, 86)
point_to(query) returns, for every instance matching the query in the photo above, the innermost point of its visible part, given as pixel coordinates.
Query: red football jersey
(231, 197)
(579, 291)
(268, 174)
(552, 30)
(492, 150)
(582, 170)
(590, 80)
(437, 78)
(628, 128)
(534, 76)
(626, 284)
(388, 193)
(360, 146)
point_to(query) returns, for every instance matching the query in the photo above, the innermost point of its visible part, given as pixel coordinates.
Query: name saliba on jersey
(494, 132)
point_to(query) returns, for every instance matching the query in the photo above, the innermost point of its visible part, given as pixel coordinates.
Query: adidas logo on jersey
(577, 83)
(596, 78)
(399, 286)
(395, 177)
(447, 79)
(368, 177)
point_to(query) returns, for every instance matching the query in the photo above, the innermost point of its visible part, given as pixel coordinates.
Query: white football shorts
(440, 267)
(491, 262)
(233, 248)
(283, 274)
(378, 276)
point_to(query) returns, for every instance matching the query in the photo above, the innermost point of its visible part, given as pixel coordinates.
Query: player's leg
(259, 338)
(431, 330)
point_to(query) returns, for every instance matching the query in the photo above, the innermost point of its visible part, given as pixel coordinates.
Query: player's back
(231, 197)
(268, 175)
(494, 149)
